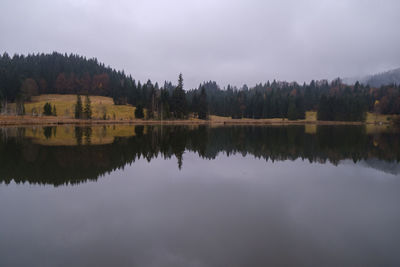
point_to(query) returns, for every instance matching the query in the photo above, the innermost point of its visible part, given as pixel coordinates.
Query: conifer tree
(78, 108)
(54, 111)
(203, 105)
(47, 109)
(87, 111)
(292, 111)
(139, 114)
(179, 104)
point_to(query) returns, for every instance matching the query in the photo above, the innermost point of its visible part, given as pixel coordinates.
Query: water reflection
(73, 154)
(199, 196)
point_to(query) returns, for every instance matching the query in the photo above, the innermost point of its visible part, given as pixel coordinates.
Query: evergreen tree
(324, 110)
(292, 111)
(194, 107)
(47, 109)
(300, 108)
(78, 108)
(54, 111)
(179, 103)
(139, 114)
(203, 105)
(87, 111)
(165, 104)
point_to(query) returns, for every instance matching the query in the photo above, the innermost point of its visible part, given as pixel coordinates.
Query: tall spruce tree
(292, 110)
(139, 114)
(47, 109)
(78, 108)
(179, 103)
(203, 105)
(54, 111)
(87, 111)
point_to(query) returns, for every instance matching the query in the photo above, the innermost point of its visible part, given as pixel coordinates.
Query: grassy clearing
(379, 118)
(65, 105)
(311, 115)
(371, 117)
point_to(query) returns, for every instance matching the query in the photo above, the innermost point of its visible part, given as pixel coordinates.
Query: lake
(200, 196)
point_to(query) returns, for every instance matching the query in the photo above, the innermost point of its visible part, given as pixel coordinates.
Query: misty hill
(377, 80)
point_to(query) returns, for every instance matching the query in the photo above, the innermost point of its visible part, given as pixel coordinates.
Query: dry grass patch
(378, 118)
(311, 116)
(65, 105)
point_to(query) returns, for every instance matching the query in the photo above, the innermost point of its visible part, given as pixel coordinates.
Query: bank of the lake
(11, 120)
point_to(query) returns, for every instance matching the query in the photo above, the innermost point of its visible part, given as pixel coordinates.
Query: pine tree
(179, 104)
(139, 114)
(195, 103)
(78, 108)
(292, 111)
(47, 109)
(203, 105)
(323, 112)
(87, 112)
(165, 107)
(300, 107)
(54, 111)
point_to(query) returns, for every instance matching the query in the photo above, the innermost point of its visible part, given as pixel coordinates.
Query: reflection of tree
(81, 132)
(48, 131)
(23, 160)
(139, 129)
(87, 132)
(78, 135)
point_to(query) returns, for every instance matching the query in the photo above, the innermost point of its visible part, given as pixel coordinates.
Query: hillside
(384, 78)
(65, 105)
(377, 80)
(25, 76)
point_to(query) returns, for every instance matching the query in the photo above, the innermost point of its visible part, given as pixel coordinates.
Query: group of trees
(333, 101)
(341, 108)
(345, 103)
(83, 111)
(48, 110)
(21, 77)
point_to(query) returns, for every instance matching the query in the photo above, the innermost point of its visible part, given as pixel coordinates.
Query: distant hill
(377, 80)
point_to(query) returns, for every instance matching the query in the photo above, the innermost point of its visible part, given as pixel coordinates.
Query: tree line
(22, 77)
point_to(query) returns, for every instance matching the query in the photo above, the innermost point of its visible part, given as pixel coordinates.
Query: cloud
(236, 42)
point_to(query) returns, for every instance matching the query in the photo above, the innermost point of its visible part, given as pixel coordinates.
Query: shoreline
(51, 121)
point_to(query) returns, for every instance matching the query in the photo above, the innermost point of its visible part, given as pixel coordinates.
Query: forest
(22, 77)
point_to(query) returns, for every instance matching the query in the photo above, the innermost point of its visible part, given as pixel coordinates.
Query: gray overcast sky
(229, 41)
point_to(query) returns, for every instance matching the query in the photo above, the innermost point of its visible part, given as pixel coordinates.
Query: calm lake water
(199, 196)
